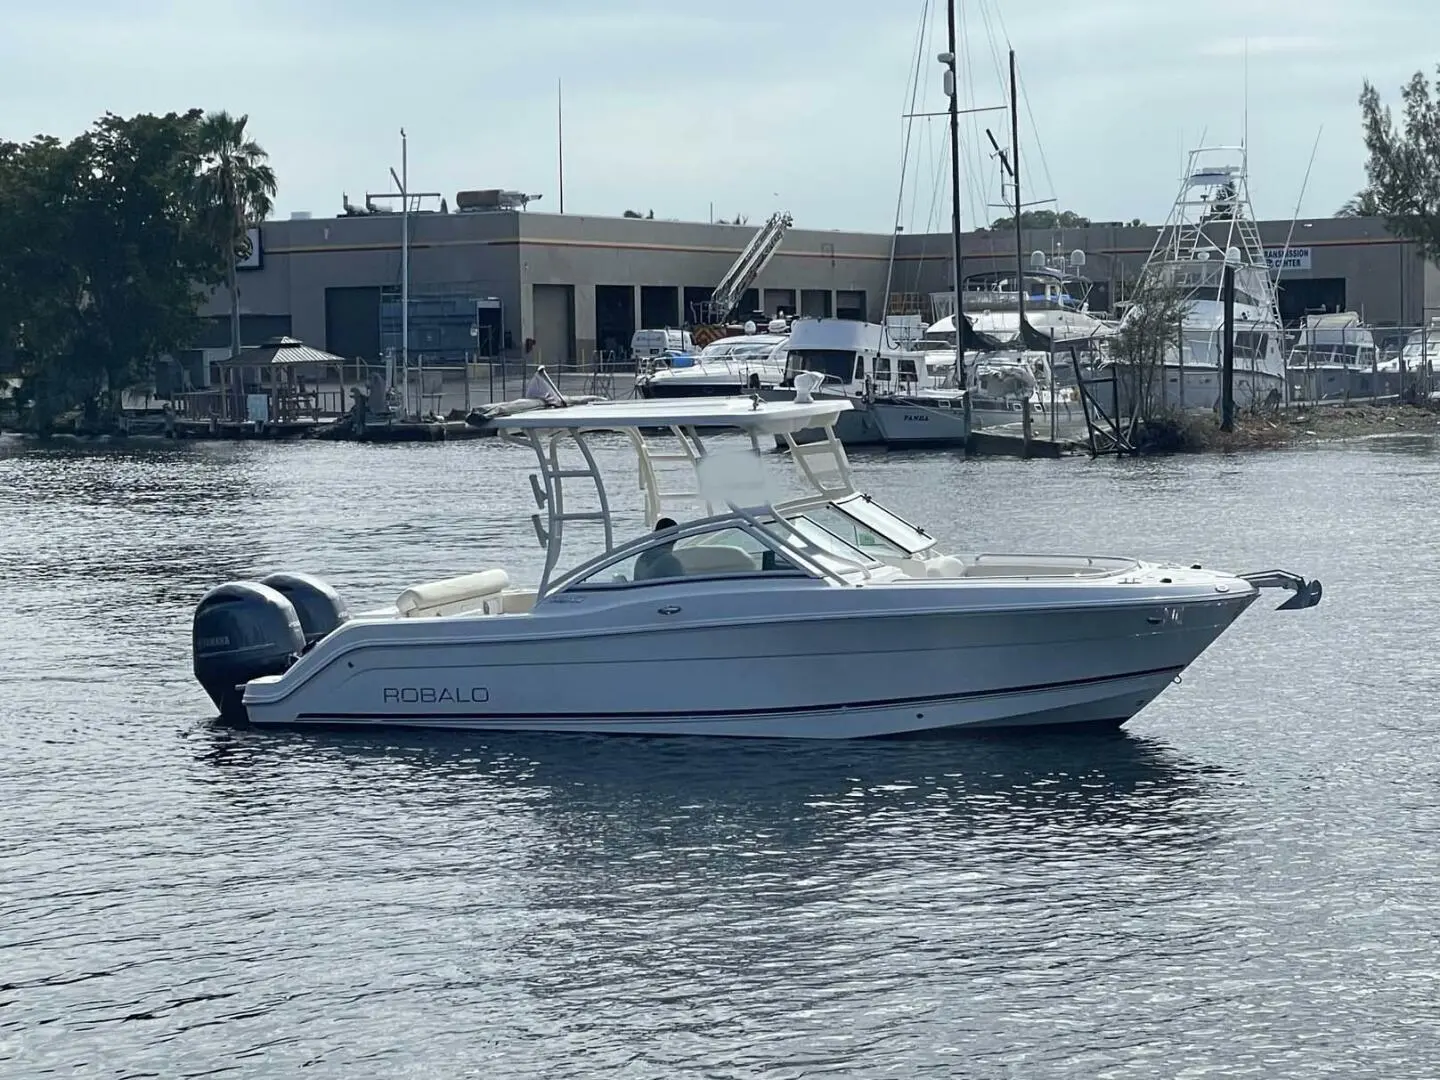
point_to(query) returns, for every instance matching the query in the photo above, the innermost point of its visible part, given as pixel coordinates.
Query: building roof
(282, 352)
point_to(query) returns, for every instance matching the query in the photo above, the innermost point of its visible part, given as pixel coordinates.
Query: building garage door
(1310, 296)
(850, 304)
(554, 325)
(352, 322)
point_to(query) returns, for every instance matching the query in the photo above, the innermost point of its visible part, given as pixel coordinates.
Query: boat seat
(715, 559)
(945, 566)
(453, 596)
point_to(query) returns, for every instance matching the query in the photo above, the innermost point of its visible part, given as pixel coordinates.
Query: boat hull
(1335, 382)
(901, 423)
(722, 670)
(1193, 389)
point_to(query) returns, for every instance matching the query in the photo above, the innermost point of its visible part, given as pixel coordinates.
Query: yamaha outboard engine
(318, 605)
(242, 631)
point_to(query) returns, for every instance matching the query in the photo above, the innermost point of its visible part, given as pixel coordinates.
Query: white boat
(731, 365)
(819, 616)
(1420, 354)
(1211, 217)
(1057, 303)
(1333, 357)
(902, 396)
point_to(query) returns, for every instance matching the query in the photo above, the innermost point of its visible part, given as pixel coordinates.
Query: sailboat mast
(405, 267)
(952, 59)
(1015, 176)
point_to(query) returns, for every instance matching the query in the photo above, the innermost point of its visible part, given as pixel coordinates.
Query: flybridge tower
(1212, 212)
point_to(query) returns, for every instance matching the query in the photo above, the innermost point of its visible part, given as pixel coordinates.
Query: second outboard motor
(318, 605)
(242, 631)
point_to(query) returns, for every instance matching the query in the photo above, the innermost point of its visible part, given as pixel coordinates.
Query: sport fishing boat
(754, 611)
(1211, 223)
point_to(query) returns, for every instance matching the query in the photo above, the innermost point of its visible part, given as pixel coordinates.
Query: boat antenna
(1298, 202)
(1245, 119)
(560, 135)
(952, 87)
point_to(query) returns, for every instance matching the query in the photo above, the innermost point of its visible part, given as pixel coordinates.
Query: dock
(1007, 444)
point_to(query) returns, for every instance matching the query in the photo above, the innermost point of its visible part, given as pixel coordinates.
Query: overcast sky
(752, 105)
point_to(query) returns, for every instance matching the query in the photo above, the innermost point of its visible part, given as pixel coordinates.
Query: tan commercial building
(560, 289)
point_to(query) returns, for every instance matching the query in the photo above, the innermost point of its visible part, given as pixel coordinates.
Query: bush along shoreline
(1193, 433)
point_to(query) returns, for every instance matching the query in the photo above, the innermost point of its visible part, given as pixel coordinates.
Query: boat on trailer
(820, 615)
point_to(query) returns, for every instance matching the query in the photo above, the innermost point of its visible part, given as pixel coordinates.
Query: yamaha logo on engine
(432, 695)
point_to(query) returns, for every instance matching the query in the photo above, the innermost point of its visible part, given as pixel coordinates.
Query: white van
(652, 343)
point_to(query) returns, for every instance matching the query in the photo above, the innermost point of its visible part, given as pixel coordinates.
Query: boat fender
(241, 631)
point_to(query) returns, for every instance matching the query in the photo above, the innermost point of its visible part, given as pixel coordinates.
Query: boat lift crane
(712, 315)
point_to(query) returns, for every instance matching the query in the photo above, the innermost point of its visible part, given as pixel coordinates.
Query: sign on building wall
(252, 262)
(1295, 258)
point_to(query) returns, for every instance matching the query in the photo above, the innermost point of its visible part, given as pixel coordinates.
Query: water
(1243, 883)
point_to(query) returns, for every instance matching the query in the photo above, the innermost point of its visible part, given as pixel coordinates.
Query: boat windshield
(873, 518)
(725, 548)
(837, 364)
(1421, 342)
(1330, 352)
(825, 524)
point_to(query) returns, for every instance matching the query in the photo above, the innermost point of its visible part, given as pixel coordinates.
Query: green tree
(1043, 219)
(235, 191)
(1404, 162)
(150, 255)
(105, 258)
(1361, 204)
(41, 279)
(1149, 332)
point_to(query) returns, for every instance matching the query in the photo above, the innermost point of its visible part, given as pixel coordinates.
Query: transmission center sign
(1295, 258)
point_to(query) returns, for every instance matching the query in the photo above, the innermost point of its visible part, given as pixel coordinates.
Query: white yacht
(1212, 216)
(1333, 357)
(821, 615)
(731, 365)
(1420, 353)
(903, 396)
(1057, 303)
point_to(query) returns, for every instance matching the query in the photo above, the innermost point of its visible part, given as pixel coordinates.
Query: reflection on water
(1244, 882)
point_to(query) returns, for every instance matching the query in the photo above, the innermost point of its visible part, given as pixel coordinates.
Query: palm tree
(237, 189)
(1362, 204)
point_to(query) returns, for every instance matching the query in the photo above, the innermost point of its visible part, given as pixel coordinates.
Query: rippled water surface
(1244, 883)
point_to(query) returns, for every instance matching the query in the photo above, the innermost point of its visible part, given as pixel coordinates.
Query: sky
(748, 107)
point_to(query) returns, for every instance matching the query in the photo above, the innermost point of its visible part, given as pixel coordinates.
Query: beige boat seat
(453, 596)
(715, 559)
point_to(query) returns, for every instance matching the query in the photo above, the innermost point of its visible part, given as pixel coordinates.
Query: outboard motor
(242, 631)
(318, 605)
